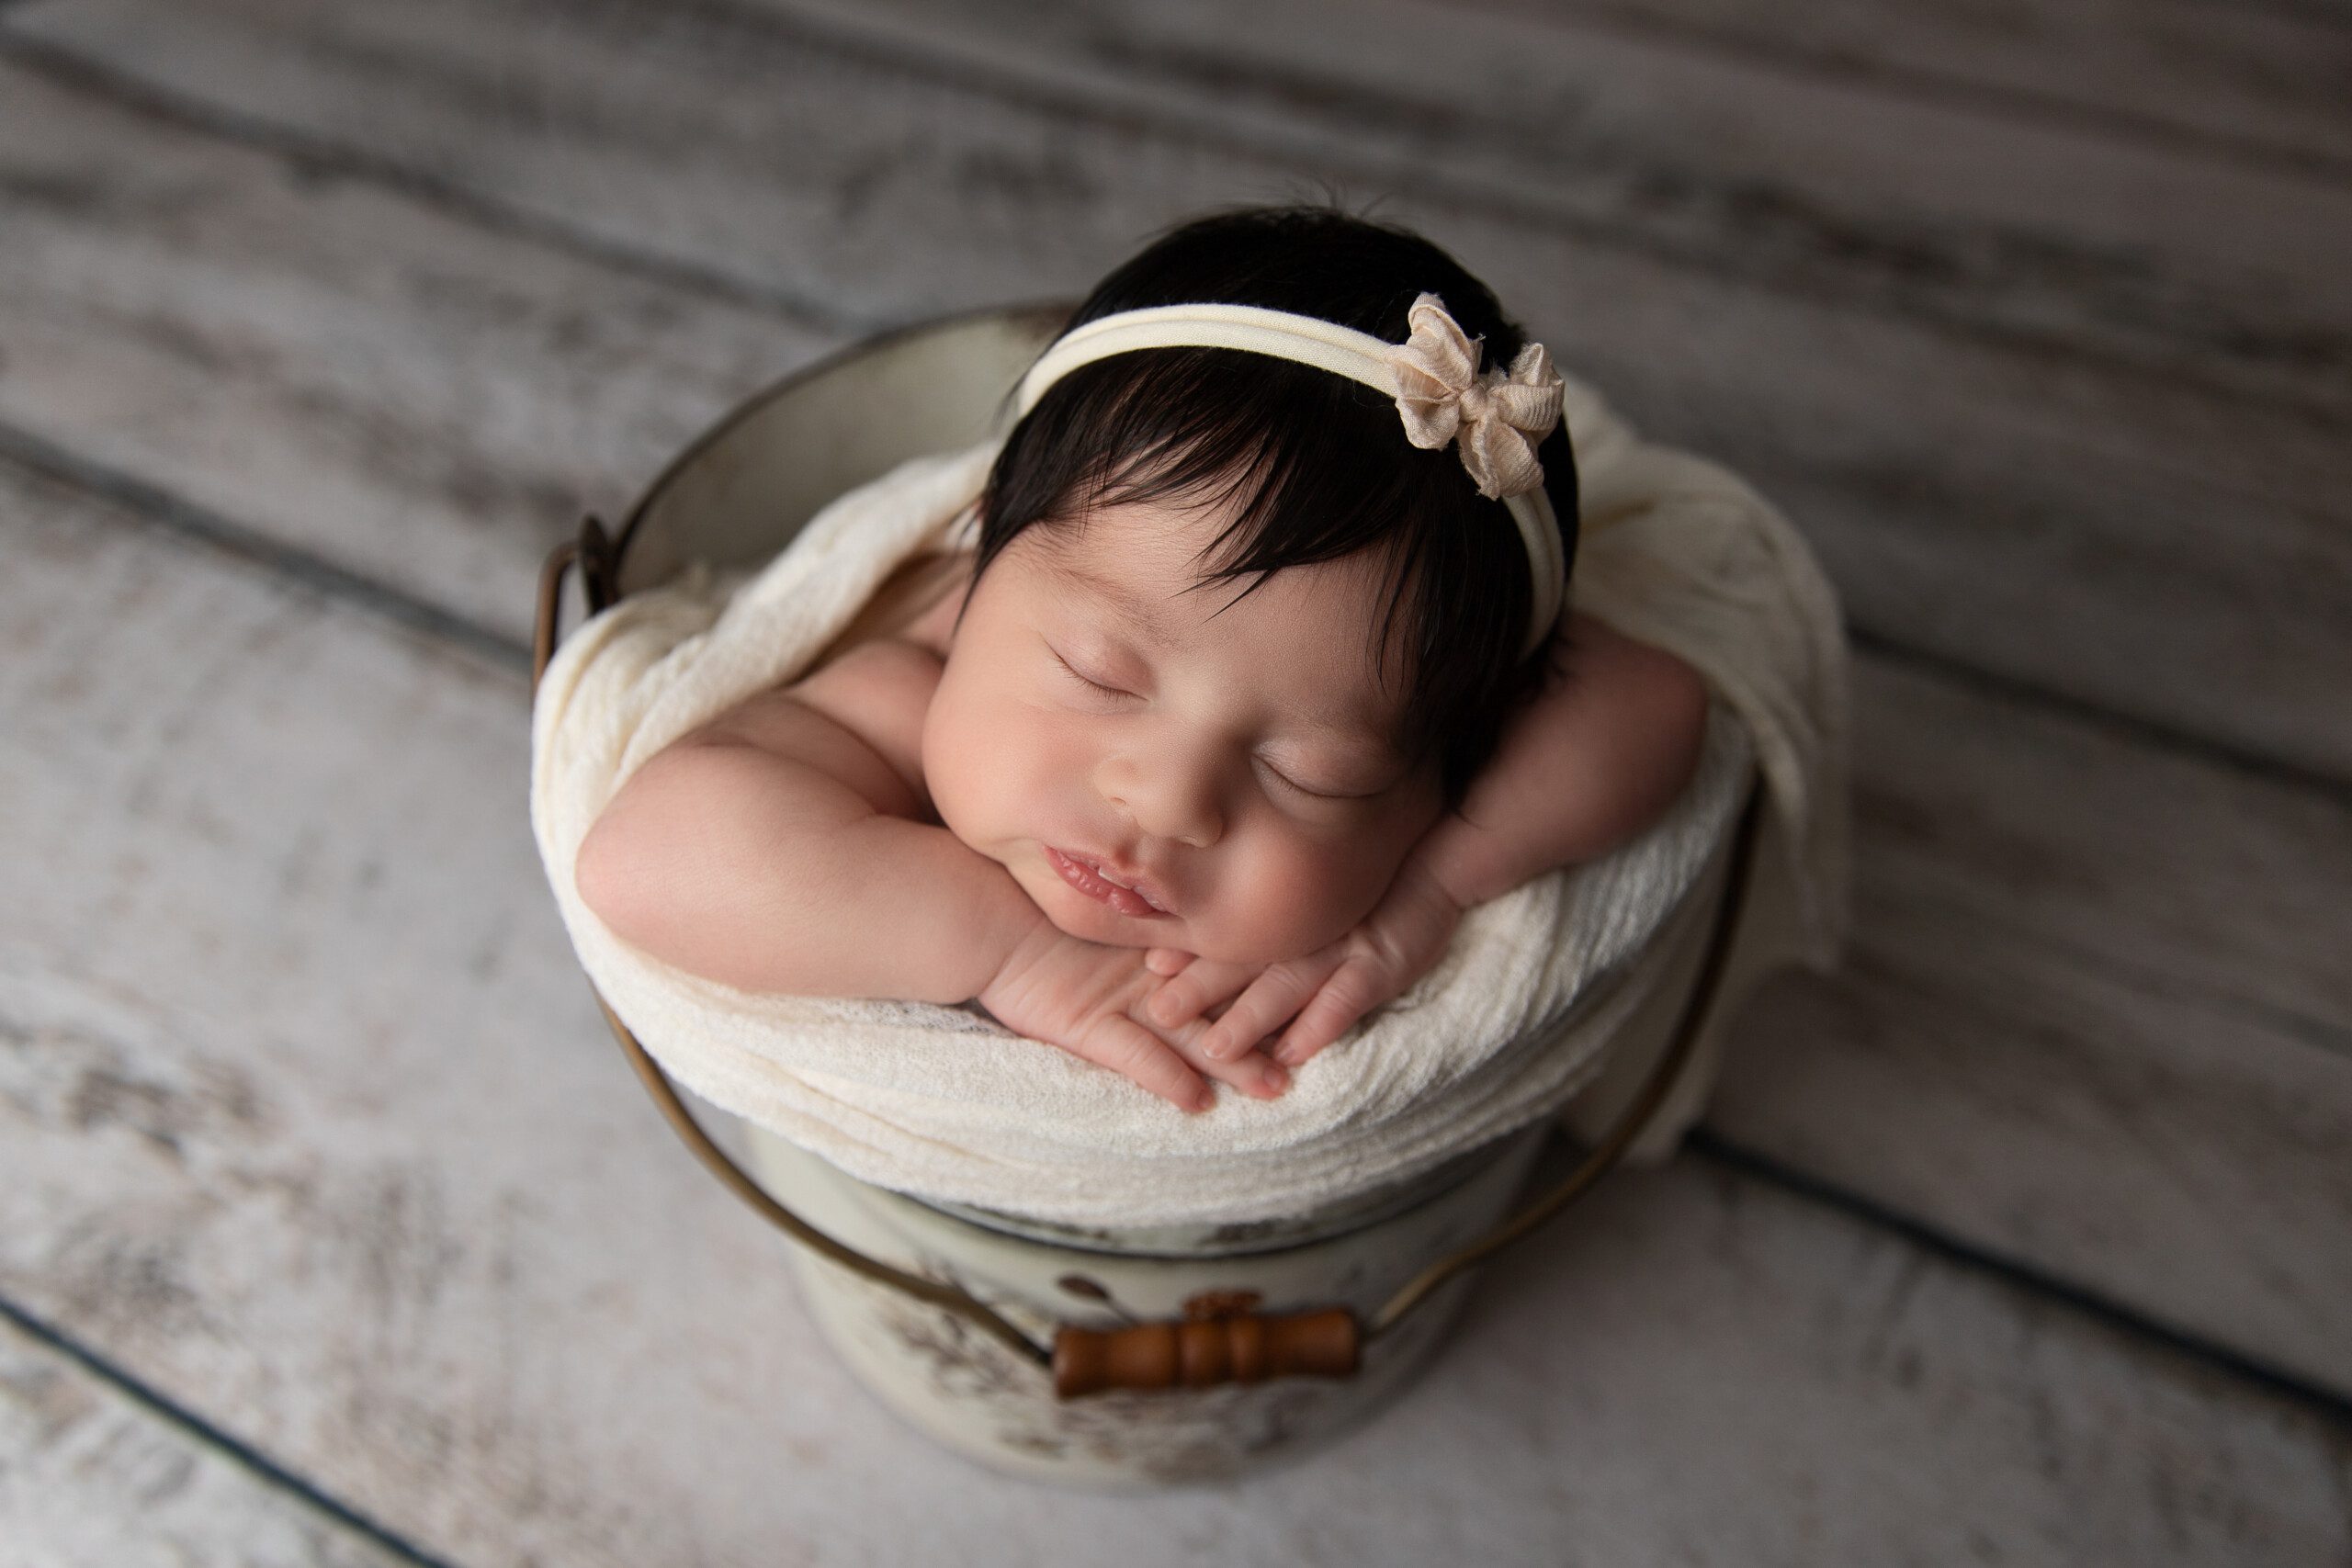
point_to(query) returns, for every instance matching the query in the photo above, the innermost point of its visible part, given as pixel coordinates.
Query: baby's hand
(1087, 998)
(1398, 944)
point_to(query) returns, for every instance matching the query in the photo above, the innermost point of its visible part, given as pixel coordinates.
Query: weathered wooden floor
(332, 1230)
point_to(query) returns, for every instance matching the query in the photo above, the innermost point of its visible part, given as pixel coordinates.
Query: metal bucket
(1130, 1358)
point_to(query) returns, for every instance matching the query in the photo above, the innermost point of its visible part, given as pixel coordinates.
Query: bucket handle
(1242, 1346)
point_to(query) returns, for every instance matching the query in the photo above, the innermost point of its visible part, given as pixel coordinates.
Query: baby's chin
(1108, 932)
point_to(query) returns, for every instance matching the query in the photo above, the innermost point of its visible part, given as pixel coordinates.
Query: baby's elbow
(1679, 698)
(608, 874)
(1661, 735)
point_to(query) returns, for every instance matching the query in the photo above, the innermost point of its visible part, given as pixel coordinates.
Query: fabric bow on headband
(1499, 417)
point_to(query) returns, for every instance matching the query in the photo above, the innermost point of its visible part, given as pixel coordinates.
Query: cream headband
(1433, 376)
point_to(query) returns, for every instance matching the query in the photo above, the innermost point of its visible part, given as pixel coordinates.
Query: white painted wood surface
(89, 1478)
(2005, 853)
(2093, 1020)
(2258, 80)
(364, 1177)
(2062, 520)
(338, 367)
(1947, 208)
(308, 1119)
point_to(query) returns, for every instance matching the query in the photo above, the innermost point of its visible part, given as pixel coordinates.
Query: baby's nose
(1170, 796)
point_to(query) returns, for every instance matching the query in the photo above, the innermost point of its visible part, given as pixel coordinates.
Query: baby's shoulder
(878, 677)
(881, 691)
(917, 604)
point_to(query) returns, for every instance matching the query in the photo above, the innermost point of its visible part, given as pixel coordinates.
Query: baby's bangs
(1289, 464)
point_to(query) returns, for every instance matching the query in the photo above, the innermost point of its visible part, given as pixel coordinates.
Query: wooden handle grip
(1202, 1353)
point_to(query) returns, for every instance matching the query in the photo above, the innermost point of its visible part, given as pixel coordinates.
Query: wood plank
(2168, 255)
(89, 1478)
(2081, 528)
(346, 370)
(2263, 80)
(310, 1125)
(2096, 1018)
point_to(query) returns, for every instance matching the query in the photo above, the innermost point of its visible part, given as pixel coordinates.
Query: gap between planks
(180, 1417)
(1730, 1154)
(161, 509)
(179, 111)
(1925, 84)
(2151, 733)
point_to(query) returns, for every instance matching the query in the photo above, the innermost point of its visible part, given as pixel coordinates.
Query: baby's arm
(1596, 756)
(776, 849)
(1610, 741)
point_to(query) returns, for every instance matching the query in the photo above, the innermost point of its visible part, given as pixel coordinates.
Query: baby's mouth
(1090, 879)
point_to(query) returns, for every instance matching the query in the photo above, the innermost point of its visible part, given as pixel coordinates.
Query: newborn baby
(1235, 707)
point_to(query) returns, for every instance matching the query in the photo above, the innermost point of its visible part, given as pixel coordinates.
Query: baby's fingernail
(1276, 1079)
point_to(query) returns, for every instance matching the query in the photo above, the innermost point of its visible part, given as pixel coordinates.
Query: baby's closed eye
(1341, 790)
(1072, 671)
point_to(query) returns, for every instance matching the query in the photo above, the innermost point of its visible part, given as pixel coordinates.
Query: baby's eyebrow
(1133, 606)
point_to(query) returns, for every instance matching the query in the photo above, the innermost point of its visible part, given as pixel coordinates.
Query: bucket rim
(1046, 315)
(1364, 1211)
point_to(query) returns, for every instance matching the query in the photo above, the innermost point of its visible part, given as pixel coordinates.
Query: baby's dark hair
(1317, 465)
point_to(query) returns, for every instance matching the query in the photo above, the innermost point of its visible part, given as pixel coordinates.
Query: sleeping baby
(1259, 674)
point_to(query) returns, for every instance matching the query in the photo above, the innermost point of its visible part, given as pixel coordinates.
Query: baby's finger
(1254, 1075)
(1268, 1004)
(1261, 1010)
(1202, 985)
(1127, 1047)
(1344, 999)
(1167, 959)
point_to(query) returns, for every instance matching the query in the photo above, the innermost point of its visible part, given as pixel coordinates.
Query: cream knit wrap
(943, 1103)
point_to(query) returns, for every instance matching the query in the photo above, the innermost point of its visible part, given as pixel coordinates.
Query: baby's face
(1235, 768)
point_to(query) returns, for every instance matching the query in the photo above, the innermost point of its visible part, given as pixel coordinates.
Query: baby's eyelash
(1097, 685)
(1310, 793)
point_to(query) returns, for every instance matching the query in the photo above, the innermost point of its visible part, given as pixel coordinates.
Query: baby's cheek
(1295, 899)
(984, 771)
(955, 772)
